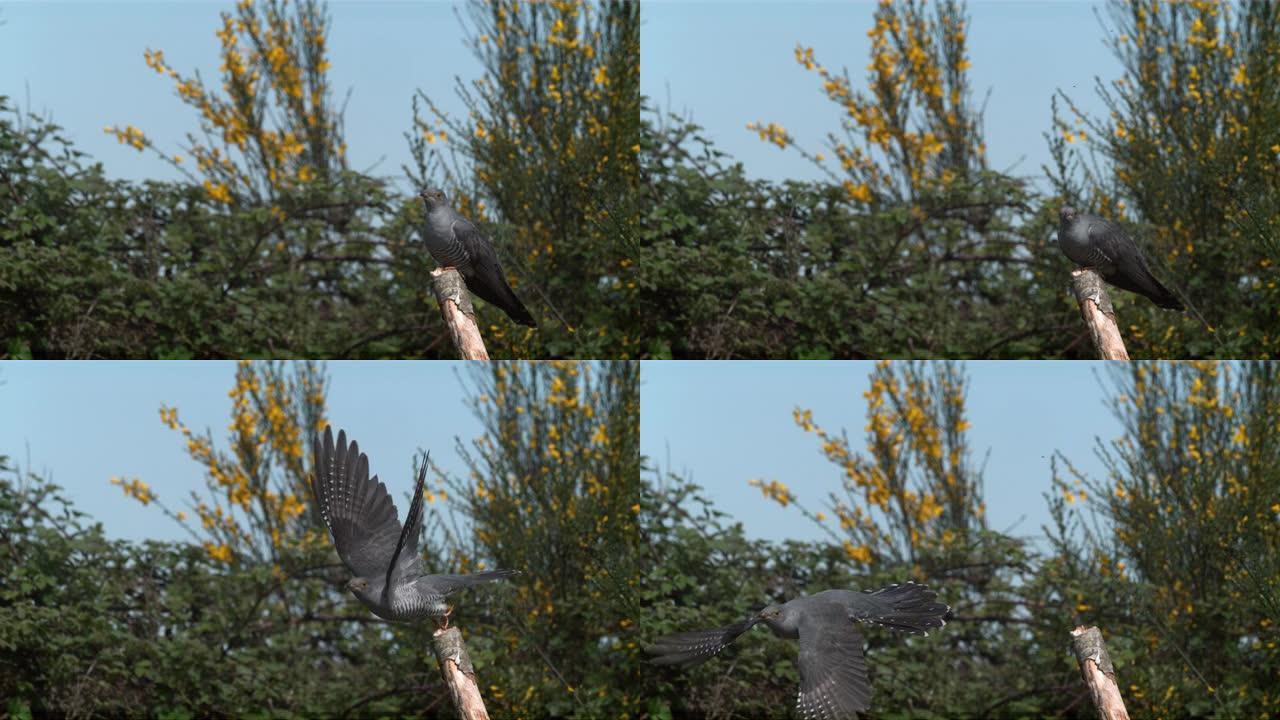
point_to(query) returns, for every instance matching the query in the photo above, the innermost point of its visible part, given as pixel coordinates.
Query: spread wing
(357, 508)
(694, 647)
(833, 673)
(487, 279)
(405, 561)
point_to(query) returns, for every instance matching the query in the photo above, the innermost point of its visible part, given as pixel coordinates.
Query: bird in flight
(382, 555)
(455, 242)
(833, 672)
(1093, 242)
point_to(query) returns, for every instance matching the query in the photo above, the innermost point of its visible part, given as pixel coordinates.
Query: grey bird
(382, 556)
(833, 673)
(455, 242)
(1093, 242)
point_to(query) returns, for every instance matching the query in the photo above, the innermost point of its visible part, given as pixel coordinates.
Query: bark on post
(459, 676)
(1099, 675)
(459, 316)
(1099, 316)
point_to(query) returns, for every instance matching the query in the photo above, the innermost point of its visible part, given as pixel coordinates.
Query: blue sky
(725, 62)
(728, 62)
(80, 423)
(82, 63)
(721, 424)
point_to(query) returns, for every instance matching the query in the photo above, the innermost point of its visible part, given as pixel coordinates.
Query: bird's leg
(448, 610)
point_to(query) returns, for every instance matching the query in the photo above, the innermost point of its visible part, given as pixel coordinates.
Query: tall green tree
(553, 489)
(1189, 151)
(549, 153)
(1185, 561)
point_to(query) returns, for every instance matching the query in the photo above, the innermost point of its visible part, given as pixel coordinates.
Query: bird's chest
(1077, 246)
(408, 603)
(443, 243)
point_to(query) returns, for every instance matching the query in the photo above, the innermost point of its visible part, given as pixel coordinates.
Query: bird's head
(783, 621)
(358, 585)
(1066, 213)
(434, 197)
(770, 612)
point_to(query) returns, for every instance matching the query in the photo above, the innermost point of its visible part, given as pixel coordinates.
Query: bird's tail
(504, 298)
(690, 648)
(908, 607)
(1163, 297)
(1148, 285)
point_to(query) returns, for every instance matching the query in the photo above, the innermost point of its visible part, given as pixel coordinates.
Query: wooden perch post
(1099, 316)
(459, 315)
(455, 667)
(1099, 674)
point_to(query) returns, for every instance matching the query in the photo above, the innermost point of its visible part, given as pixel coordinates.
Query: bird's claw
(444, 624)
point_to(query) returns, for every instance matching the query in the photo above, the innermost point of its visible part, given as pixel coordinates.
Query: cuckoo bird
(455, 242)
(1092, 242)
(833, 673)
(382, 555)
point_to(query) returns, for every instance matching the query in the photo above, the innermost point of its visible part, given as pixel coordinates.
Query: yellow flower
(772, 132)
(857, 553)
(135, 489)
(774, 490)
(221, 553)
(860, 192)
(218, 192)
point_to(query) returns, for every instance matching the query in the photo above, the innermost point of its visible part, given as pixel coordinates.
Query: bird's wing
(833, 673)
(405, 561)
(697, 646)
(1131, 271)
(357, 508)
(1112, 241)
(487, 279)
(479, 248)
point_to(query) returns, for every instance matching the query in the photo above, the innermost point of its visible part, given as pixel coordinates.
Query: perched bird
(833, 673)
(455, 242)
(1092, 242)
(382, 556)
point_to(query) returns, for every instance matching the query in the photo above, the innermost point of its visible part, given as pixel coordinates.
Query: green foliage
(100, 268)
(732, 267)
(93, 626)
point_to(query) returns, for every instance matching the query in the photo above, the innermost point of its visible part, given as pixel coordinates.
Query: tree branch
(459, 676)
(1099, 675)
(459, 316)
(1099, 316)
